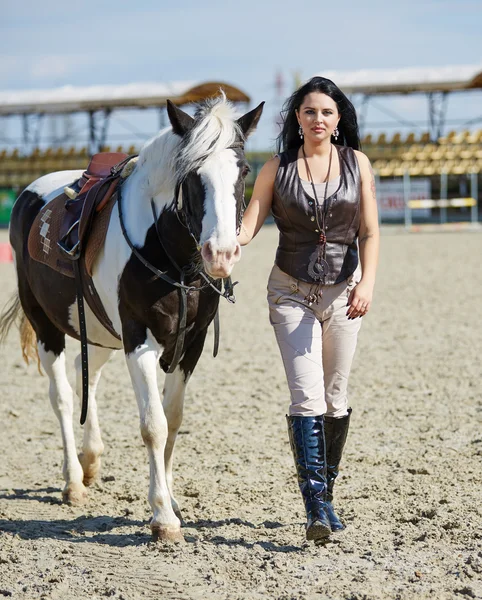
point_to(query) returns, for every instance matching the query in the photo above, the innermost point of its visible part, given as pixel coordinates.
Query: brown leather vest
(294, 214)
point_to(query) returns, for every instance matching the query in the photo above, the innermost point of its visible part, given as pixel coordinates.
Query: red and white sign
(5, 253)
(391, 198)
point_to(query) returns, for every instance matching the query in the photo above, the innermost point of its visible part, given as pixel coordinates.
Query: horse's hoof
(90, 468)
(166, 534)
(75, 495)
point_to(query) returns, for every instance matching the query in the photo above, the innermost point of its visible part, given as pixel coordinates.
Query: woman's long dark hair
(348, 126)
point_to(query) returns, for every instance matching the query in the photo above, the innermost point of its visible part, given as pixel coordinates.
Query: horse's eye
(245, 171)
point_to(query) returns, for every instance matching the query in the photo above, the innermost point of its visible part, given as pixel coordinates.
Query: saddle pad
(44, 235)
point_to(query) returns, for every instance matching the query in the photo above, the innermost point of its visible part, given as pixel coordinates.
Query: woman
(322, 197)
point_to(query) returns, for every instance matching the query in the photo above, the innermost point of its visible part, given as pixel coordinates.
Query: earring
(336, 133)
(300, 132)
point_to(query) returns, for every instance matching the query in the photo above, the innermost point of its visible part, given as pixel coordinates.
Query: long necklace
(317, 265)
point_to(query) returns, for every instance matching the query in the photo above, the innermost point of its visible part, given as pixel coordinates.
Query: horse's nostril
(207, 252)
(237, 251)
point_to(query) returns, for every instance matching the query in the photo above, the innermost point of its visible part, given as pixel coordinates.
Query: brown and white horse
(198, 162)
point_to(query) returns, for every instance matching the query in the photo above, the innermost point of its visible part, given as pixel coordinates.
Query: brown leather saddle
(72, 227)
(75, 223)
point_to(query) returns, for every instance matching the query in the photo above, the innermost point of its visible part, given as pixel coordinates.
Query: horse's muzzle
(219, 263)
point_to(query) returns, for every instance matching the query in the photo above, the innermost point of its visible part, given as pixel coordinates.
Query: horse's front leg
(174, 390)
(173, 403)
(142, 363)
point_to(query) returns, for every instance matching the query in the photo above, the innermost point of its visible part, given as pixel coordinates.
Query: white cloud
(56, 66)
(48, 67)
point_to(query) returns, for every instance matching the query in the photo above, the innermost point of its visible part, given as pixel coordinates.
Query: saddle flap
(101, 164)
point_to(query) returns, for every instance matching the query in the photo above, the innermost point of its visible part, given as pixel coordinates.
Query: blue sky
(244, 43)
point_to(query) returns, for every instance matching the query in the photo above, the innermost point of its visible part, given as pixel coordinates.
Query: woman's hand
(359, 300)
(260, 203)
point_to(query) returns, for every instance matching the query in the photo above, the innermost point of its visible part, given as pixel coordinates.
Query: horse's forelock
(215, 129)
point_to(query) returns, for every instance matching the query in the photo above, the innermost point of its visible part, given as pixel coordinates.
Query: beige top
(333, 185)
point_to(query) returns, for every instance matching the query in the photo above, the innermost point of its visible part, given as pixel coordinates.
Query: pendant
(317, 267)
(311, 299)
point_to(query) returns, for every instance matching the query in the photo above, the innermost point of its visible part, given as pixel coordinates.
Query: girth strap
(83, 342)
(93, 300)
(181, 330)
(76, 255)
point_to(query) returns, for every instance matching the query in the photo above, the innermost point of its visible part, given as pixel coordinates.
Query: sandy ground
(410, 489)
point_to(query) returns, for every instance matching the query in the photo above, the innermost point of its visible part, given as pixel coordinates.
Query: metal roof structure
(408, 80)
(71, 99)
(435, 82)
(98, 102)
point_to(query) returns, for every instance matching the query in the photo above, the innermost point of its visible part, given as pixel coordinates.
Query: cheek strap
(179, 198)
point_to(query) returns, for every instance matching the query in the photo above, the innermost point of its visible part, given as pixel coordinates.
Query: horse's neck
(139, 190)
(153, 180)
(155, 166)
(139, 219)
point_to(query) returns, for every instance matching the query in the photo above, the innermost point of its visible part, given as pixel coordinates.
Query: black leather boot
(308, 446)
(336, 430)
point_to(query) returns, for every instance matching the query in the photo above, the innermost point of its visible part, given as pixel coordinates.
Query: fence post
(443, 196)
(474, 192)
(406, 197)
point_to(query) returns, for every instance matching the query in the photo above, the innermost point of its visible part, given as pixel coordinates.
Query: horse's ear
(249, 121)
(181, 122)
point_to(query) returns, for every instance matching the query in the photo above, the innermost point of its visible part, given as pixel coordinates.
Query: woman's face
(318, 116)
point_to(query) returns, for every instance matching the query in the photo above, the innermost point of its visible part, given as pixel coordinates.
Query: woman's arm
(369, 241)
(260, 203)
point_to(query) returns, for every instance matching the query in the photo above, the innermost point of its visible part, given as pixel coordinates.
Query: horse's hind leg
(51, 351)
(173, 403)
(92, 447)
(61, 398)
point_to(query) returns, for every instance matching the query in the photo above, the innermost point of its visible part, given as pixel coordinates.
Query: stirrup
(74, 252)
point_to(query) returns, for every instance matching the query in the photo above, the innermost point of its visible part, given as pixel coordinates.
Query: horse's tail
(13, 314)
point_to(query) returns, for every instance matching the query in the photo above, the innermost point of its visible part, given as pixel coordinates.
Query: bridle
(184, 289)
(183, 216)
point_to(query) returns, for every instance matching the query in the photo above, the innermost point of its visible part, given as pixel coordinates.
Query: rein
(183, 289)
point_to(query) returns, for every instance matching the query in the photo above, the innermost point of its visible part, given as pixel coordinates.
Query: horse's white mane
(215, 130)
(166, 158)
